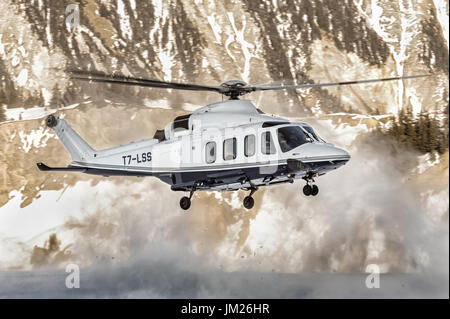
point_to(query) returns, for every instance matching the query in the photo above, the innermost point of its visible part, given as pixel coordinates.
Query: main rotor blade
(304, 86)
(101, 77)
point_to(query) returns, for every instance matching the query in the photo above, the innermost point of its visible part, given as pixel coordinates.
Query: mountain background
(389, 206)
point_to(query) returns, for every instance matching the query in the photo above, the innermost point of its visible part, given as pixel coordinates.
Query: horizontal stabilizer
(45, 168)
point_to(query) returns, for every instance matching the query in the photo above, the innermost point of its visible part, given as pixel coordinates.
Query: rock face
(207, 42)
(203, 42)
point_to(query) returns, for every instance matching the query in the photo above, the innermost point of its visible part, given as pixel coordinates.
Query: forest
(426, 132)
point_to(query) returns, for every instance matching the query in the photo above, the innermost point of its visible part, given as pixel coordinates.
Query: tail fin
(77, 147)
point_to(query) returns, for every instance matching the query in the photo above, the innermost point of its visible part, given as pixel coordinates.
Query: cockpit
(311, 131)
(290, 137)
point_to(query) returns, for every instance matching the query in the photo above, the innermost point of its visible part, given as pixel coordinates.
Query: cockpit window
(291, 137)
(310, 130)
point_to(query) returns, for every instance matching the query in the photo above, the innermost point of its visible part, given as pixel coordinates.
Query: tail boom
(75, 145)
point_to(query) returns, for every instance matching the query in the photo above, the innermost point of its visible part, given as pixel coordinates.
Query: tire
(249, 202)
(307, 190)
(185, 203)
(315, 190)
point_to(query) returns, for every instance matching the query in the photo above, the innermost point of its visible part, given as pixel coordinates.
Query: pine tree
(421, 129)
(410, 129)
(425, 132)
(435, 132)
(394, 130)
(401, 124)
(441, 147)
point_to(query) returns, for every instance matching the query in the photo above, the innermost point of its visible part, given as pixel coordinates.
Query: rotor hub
(233, 83)
(234, 89)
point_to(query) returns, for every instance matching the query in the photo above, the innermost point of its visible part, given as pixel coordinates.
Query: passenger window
(229, 149)
(267, 145)
(210, 152)
(249, 145)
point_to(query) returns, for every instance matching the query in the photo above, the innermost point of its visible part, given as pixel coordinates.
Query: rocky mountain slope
(206, 42)
(388, 206)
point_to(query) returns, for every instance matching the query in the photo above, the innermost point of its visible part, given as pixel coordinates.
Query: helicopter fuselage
(227, 145)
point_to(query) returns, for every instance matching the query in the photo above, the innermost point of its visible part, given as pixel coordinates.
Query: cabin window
(229, 149)
(249, 145)
(210, 152)
(267, 144)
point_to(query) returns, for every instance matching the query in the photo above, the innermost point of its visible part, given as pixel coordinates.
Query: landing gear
(185, 202)
(315, 190)
(249, 202)
(309, 188)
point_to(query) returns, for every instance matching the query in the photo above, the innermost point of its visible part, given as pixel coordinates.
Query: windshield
(290, 137)
(310, 130)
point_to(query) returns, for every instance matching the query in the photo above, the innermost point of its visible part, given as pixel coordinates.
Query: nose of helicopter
(321, 156)
(338, 153)
(322, 151)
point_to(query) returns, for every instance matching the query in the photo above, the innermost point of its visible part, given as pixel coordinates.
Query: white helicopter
(224, 146)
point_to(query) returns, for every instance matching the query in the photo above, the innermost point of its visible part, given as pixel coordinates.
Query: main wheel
(307, 190)
(249, 202)
(185, 202)
(315, 190)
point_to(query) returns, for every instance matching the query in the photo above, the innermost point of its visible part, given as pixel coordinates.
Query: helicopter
(224, 146)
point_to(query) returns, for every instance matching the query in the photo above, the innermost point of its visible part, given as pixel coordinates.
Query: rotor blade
(100, 77)
(304, 86)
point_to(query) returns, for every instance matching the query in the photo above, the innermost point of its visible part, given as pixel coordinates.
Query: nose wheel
(310, 189)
